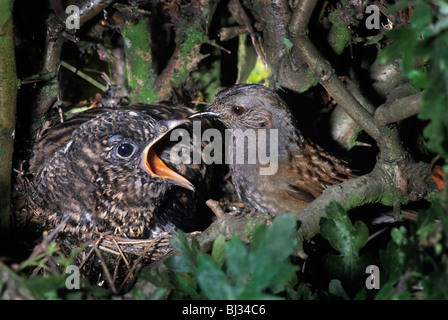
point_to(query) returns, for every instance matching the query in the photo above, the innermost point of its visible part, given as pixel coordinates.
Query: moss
(310, 80)
(141, 76)
(189, 54)
(353, 138)
(340, 37)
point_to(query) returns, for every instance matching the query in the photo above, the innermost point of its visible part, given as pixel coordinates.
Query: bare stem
(54, 43)
(324, 73)
(398, 110)
(8, 93)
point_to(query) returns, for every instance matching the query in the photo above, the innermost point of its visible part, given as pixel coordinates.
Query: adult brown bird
(304, 169)
(110, 170)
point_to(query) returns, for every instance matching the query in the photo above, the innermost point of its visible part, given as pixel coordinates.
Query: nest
(104, 259)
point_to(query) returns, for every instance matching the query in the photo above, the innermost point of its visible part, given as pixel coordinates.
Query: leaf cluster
(413, 264)
(50, 279)
(423, 48)
(234, 270)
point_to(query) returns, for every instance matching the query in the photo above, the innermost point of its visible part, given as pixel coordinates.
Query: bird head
(117, 150)
(247, 106)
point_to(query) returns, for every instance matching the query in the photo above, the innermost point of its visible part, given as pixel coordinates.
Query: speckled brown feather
(76, 177)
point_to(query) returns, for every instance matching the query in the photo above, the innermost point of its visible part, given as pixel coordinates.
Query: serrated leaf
(186, 287)
(213, 280)
(386, 292)
(346, 238)
(426, 220)
(45, 287)
(392, 259)
(279, 238)
(189, 252)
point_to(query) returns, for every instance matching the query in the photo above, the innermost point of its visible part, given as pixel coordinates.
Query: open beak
(152, 164)
(207, 113)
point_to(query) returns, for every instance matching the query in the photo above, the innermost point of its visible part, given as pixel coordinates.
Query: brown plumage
(304, 169)
(109, 170)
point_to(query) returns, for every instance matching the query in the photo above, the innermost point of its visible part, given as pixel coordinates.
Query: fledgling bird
(304, 169)
(109, 169)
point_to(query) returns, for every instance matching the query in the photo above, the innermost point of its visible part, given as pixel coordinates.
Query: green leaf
(335, 288)
(399, 235)
(234, 270)
(346, 238)
(187, 261)
(435, 98)
(405, 40)
(179, 264)
(419, 78)
(186, 287)
(392, 259)
(427, 221)
(260, 72)
(46, 287)
(237, 261)
(421, 16)
(213, 280)
(386, 292)
(270, 249)
(218, 250)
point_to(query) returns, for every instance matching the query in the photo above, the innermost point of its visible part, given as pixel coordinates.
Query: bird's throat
(153, 165)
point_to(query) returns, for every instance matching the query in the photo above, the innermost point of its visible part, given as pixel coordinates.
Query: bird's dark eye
(237, 110)
(125, 150)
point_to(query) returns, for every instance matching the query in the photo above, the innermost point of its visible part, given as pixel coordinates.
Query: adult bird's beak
(207, 113)
(153, 165)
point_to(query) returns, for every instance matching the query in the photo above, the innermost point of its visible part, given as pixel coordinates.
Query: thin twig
(245, 18)
(42, 247)
(89, 254)
(214, 44)
(324, 72)
(134, 266)
(84, 76)
(398, 109)
(215, 207)
(121, 252)
(105, 269)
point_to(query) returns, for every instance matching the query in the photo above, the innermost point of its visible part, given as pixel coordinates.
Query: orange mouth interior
(159, 169)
